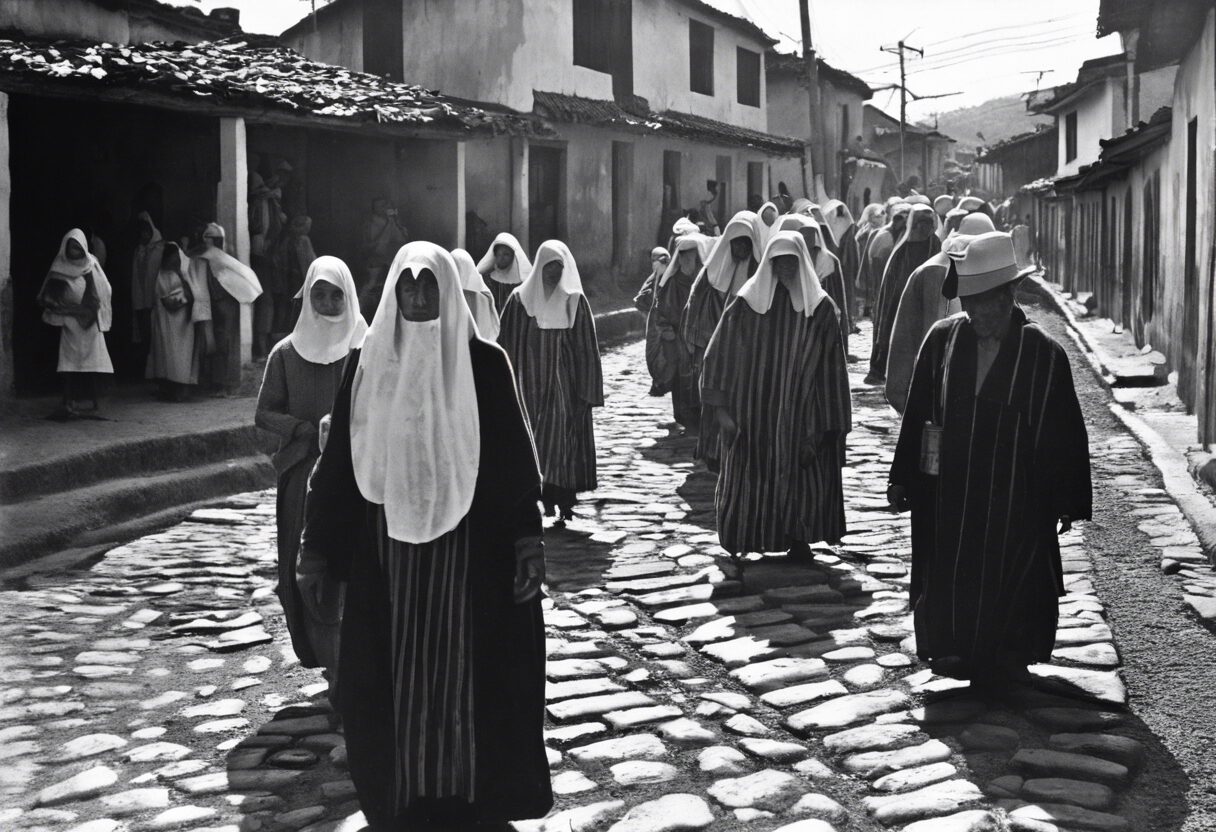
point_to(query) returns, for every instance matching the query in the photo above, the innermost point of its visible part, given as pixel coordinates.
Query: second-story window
(747, 73)
(1070, 136)
(700, 57)
(592, 44)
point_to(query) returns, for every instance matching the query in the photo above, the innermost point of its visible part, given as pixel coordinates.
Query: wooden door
(545, 166)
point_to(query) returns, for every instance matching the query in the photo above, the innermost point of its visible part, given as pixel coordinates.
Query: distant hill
(997, 119)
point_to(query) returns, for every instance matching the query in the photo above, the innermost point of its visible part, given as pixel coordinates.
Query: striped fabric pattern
(431, 653)
(501, 291)
(834, 285)
(560, 379)
(783, 378)
(664, 325)
(986, 568)
(904, 260)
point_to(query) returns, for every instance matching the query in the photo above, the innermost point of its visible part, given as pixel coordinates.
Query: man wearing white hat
(922, 305)
(992, 455)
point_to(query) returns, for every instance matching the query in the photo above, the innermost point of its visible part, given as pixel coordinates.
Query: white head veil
(839, 218)
(237, 279)
(698, 242)
(74, 270)
(324, 340)
(558, 310)
(806, 294)
(519, 268)
(482, 304)
(823, 260)
(414, 430)
(720, 266)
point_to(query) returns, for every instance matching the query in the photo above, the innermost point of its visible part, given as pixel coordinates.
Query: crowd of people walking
(418, 455)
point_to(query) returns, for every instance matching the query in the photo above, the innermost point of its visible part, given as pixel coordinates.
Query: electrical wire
(975, 49)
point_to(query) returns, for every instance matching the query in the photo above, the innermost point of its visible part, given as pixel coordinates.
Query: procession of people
(419, 454)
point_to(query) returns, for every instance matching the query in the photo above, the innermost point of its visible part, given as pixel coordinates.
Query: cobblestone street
(156, 689)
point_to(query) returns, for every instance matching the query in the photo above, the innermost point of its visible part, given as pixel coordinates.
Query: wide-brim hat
(983, 263)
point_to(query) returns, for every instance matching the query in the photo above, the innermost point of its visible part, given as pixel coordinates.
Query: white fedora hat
(984, 263)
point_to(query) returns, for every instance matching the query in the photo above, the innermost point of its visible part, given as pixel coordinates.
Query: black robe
(986, 571)
(905, 259)
(668, 357)
(507, 655)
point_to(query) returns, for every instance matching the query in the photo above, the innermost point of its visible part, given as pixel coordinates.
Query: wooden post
(816, 192)
(6, 251)
(519, 188)
(232, 211)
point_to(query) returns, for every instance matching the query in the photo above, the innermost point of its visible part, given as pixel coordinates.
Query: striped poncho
(782, 377)
(560, 380)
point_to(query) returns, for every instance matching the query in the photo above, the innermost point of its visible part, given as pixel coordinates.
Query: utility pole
(900, 49)
(816, 135)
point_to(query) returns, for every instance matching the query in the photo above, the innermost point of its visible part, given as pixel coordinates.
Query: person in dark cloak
(827, 267)
(918, 244)
(777, 383)
(303, 374)
(922, 304)
(844, 230)
(731, 262)
(424, 502)
(644, 299)
(878, 250)
(667, 356)
(872, 220)
(993, 461)
(548, 332)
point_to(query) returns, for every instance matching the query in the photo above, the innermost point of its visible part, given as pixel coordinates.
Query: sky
(981, 49)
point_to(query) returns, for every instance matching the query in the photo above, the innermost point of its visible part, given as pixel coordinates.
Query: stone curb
(1177, 474)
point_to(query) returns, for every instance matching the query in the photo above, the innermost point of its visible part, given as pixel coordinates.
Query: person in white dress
(76, 297)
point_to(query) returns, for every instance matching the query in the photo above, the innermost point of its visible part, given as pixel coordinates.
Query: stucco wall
(82, 19)
(524, 46)
(1100, 115)
(789, 115)
(337, 40)
(1193, 98)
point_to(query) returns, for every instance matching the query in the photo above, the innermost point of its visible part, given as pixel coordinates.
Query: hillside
(997, 119)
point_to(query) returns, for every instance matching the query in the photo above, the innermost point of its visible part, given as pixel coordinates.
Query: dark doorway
(755, 181)
(546, 167)
(1126, 268)
(128, 160)
(722, 205)
(1190, 331)
(622, 187)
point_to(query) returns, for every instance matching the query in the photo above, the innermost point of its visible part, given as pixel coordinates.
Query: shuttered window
(747, 72)
(700, 57)
(1070, 136)
(592, 28)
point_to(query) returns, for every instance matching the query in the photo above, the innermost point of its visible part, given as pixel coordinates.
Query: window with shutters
(1070, 136)
(700, 57)
(747, 73)
(592, 26)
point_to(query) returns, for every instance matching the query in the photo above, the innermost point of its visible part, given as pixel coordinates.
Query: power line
(1032, 24)
(995, 54)
(978, 49)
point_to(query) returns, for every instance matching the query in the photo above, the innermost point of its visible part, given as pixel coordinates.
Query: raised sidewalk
(77, 488)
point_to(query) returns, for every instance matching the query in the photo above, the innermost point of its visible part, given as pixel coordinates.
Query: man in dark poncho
(776, 378)
(918, 244)
(424, 502)
(992, 454)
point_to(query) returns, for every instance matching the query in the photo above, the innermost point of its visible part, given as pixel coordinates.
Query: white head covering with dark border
(806, 294)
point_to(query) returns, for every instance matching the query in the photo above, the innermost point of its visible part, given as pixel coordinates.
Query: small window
(700, 57)
(1070, 136)
(748, 74)
(592, 28)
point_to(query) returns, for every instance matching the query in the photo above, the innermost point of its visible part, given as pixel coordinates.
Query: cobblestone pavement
(155, 689)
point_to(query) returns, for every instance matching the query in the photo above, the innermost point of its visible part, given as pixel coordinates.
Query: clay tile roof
(636, 116)
(245, 72)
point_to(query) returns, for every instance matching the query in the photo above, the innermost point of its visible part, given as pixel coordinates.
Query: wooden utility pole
(816, 135)
(900, 49)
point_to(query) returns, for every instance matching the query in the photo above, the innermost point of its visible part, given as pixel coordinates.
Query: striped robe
(904, 260)
(501, 291)
(441, 679)
(560, 380)
(986, 571)
(849, 262)
(783, 378)
(834, 285)
(701, 317)
(668, 358)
